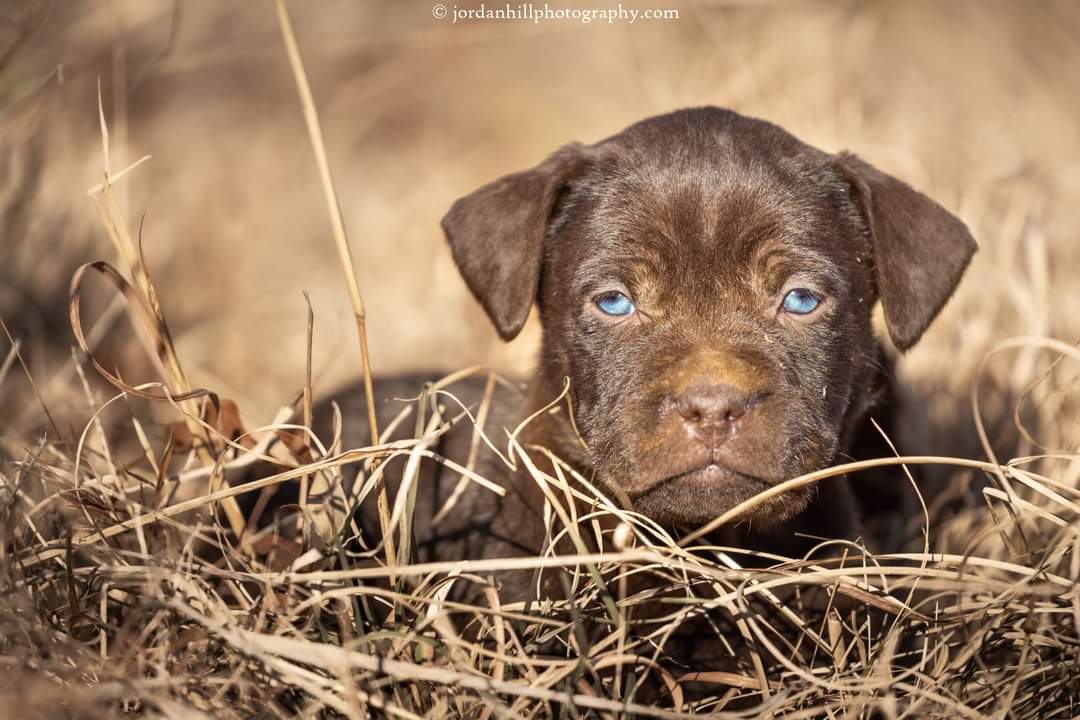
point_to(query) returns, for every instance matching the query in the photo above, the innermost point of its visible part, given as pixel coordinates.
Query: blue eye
(800, 301)
(615, 303)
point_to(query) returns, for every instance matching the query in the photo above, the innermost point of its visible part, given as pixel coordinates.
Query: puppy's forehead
(708, 194)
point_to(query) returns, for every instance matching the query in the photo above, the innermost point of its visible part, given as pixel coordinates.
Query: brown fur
(708, 393)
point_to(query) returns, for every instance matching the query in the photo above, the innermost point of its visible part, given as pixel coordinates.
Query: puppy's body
(705, 283)
(480, 524)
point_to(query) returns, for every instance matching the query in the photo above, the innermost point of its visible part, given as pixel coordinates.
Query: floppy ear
(496, 235)
(920, 249)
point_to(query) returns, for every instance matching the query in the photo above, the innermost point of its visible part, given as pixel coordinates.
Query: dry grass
(123, 584)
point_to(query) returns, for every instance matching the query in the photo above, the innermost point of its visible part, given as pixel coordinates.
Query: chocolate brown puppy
(705, 281)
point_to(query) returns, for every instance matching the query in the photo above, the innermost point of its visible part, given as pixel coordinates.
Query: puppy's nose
(713, 411)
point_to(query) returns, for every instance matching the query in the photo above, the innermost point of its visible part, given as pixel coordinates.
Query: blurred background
(974, 102)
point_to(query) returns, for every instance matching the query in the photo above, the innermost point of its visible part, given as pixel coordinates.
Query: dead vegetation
(132, 583)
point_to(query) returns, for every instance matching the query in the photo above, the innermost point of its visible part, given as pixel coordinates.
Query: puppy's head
(706, 282)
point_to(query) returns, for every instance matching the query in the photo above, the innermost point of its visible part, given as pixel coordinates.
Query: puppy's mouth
(698, 495)
(709, 475)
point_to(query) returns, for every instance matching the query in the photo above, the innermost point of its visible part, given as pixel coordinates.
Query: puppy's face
(712, 312)
(706, 282)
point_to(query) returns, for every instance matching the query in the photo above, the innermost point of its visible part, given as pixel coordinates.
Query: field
(169, 141)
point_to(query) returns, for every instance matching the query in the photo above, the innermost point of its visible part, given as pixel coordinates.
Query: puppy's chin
(695, 498)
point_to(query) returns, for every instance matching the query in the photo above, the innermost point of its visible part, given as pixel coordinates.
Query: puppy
(705, 283)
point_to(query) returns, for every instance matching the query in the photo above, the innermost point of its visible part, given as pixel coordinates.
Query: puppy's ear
(920, 249)
(496, 235)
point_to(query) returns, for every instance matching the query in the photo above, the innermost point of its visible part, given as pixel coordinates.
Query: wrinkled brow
(774, 262)
(636, 270)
